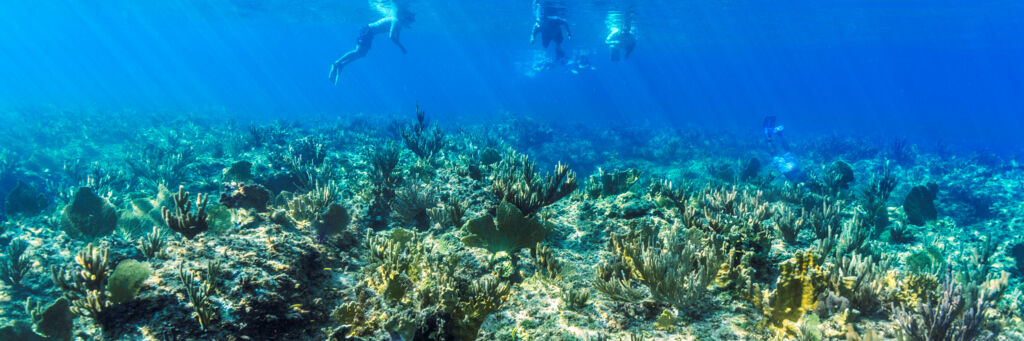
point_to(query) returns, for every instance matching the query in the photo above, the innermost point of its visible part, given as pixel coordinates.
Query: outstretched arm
(396, 30)
(566, 25)
(533, 34)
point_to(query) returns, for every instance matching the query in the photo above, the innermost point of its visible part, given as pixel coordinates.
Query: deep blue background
(926, 70)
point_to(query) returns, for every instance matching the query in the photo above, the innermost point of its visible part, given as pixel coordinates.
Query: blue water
(926, 70)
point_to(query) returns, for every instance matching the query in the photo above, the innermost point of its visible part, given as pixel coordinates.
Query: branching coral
(949, 316)
(787, 223)
(424, 140)
(152, 244)
(161, 159)
(516, 182)
(198, 292)
(305, 159)
(545, 262)
(450, 213)
(741, 218)
(483, 297)
(861, 280)
(385, 177)
(824, 219)
(854, 235)
(306, 208)
(573, 298)
(412, 202)
(424, 297)
(86, 288)
(383, 162)
(14, 266)
(667, 194)
(182, 220)
(876, 196)
(677, 268)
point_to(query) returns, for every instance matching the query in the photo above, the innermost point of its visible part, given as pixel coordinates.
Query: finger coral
(184, 220)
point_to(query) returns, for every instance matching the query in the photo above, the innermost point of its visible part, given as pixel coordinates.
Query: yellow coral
(796, 291)
(915, 288)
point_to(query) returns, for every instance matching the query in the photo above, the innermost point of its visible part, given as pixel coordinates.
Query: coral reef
(364, 228)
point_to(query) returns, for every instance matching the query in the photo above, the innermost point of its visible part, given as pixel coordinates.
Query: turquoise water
(935, 70)
(801, 170)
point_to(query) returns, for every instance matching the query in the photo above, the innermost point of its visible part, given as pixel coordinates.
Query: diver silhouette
(549, 25)
(392, 25)
(621, 41)
(782, 156)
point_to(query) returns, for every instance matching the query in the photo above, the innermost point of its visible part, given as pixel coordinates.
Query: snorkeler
(549, 26)
(621, 41)
(782, 156)
(392, 25)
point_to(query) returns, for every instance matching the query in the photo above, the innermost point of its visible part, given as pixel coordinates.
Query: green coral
(509, 230)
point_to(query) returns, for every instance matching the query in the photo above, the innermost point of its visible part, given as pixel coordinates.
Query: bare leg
(349, 57)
